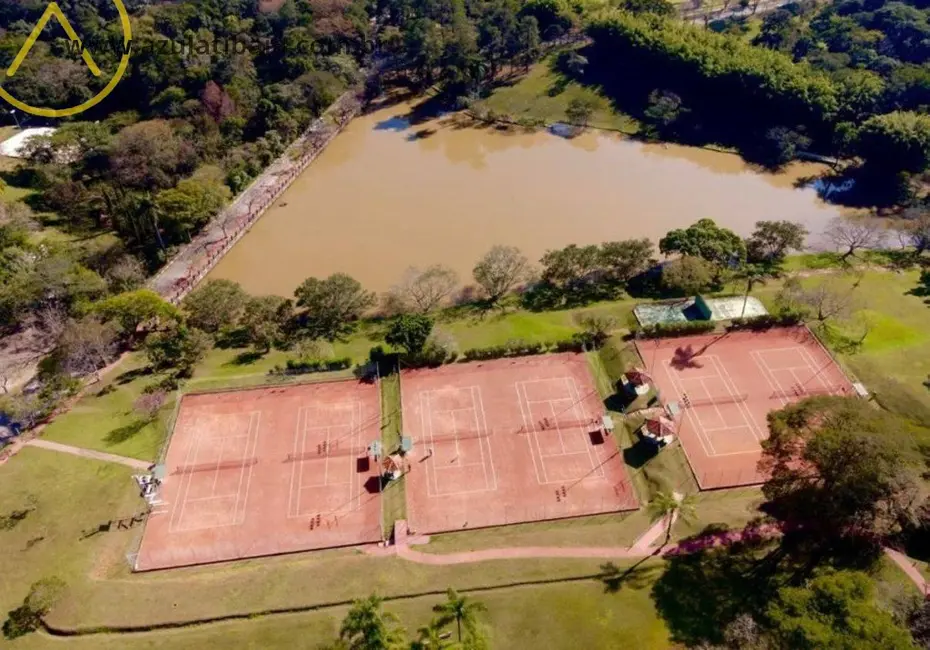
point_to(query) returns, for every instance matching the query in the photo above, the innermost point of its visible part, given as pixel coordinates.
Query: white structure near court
(13, 147)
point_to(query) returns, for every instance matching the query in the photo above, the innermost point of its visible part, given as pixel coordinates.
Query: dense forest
(844, 80)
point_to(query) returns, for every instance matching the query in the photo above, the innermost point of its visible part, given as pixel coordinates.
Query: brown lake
(387, 195)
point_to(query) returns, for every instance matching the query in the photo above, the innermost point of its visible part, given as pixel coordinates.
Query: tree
(333, 305)
(431, 637)
(127, 274)
(265, 319)
(28, 617)
(580, 110)
(687, 275)
(87, 345)
(133, 309)
(571, 267)
(824, 301)
(835, 609)
(460, 609)
(839, 469)
(668, 506)
(410, 332)
(771, 241)
(214, 305)
(781, 145)
(149, 156)
(148, 404)
(426, 290)
(189, 205)
(849, 235)
(500, 270)
(919, 624)
(598, 327)
(707, 240)
(180, 347)
(658, 7)
(624, 260)
(896, 141)
(753, 274)
(916, 230)
(313, 350)
(368, 627)
(664, 109)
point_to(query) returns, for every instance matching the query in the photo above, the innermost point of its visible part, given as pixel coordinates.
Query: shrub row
(576, 343)
(766, 321)
(295, 367)
(668, 330)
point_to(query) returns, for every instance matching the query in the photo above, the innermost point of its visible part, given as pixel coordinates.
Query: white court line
(779, 390)
(238, 515)
(298, 441)
(178, 507)
(526, 428)
(426, 426)
(579, 404)
(474, 409)
(532, 436)
(484, 423)
(741, 406)
(441, 468)
(690, 414)
(818, 372)
(764, 369)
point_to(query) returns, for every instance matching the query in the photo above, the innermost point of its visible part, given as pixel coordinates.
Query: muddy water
(387, 195)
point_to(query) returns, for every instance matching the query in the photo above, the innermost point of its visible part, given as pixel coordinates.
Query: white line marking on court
(526, 427)
(486, 440)
(741, 406)
(690, 415)
(534, 436)
(577, 400)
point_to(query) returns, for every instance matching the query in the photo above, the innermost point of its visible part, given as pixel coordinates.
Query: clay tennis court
(507, 441)
(267, 471)
(726, 384)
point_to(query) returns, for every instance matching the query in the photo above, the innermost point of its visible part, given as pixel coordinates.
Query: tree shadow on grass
(131, 375)
(246, 358)
(636, 576)
(700, 593)
(126, 432)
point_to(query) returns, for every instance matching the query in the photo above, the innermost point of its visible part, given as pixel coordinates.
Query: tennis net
(215, 467)
(710, 401)
(809, 391)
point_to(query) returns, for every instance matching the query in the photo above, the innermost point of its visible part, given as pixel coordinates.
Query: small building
(658, 430)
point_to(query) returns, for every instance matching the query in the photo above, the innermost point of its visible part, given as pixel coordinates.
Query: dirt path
(88, 453)
(912, 572)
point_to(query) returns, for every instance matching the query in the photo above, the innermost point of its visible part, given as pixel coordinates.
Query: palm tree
(431, 637)
(669, 504)
(753, 274)
(460, 609)
(368, 627)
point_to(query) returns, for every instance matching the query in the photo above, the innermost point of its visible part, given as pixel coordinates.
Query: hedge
(294, 367)
(668, 330)
(766, 321)
(577, 343)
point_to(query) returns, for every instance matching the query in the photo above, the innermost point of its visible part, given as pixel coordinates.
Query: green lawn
(104, 419)
(67, 497)
(544, 94)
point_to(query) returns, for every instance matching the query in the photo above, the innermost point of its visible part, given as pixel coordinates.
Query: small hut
(638, 381)
(658, 430)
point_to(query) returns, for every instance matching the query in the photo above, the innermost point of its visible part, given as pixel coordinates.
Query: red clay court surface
(495, 459)
(725, 387)
(267, 471)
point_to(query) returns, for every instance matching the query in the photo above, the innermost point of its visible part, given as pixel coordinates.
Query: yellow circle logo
(54, 11)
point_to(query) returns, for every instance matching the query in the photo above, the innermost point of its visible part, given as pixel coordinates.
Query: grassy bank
(544, 93)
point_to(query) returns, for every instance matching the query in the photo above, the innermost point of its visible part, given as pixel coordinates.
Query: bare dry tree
(825, 301)
(851, 235)
(426, 289)
(148, 404)
(914, 230)
(86, 346)
(500, 270)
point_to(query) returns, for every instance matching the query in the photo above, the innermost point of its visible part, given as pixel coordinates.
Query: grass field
(544, 94)
(104, 419)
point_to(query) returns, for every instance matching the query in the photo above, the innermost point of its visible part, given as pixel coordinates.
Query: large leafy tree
(410, 332)
(333, 305)
(214, 305)
(707, 240)
(771, 241)
(133, 309)
(840, 469)
(834, 609)
(500, 270)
